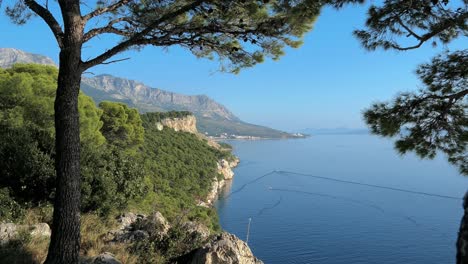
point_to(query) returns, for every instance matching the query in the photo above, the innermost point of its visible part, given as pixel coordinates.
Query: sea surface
(342, 199)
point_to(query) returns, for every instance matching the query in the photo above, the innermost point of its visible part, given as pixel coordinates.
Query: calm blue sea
(307, 204)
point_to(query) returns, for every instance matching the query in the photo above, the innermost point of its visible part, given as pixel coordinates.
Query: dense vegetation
(27, 149)
(127, 163)
(158, 116)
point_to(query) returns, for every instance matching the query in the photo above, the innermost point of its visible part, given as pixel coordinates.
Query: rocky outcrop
(155, 225)
(196, 231)
(215, 186)
(104, 258)
(137, 227)
(185, 124)
(225, 170)
(10, 231)
(223, 249)
(128, 219)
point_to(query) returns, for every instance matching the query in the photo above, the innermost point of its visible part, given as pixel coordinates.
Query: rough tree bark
(65, 240)
(462, 243)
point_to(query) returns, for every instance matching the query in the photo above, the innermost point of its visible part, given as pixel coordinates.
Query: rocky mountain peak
(141, 94)
(10, 56)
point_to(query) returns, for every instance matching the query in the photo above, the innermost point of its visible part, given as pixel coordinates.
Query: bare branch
(114, 61)
(444, 26)
(48, 18)
(398, 47)
(106, 9)
(139, 36)
(109, 28)
(411, 32)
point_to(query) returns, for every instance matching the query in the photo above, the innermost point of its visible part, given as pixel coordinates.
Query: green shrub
(10, 210)
(111, 179)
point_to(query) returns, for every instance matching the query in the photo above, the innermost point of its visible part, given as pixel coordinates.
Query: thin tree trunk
(462, 243)
(64, 245)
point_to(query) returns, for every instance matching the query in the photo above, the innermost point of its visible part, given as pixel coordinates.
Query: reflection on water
(354, 201)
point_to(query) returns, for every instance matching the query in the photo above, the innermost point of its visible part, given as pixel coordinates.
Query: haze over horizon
(328, 89)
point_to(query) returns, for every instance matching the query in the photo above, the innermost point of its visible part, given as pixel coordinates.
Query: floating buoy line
(347, 199)
(281, 172)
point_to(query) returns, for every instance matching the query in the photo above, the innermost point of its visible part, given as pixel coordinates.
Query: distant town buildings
(234, 136)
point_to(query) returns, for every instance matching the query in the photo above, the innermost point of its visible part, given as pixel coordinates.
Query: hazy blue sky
(324, 84)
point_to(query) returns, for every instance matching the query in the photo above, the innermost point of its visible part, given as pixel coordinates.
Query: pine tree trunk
(64, 245)
(65, 240)
(462, 243)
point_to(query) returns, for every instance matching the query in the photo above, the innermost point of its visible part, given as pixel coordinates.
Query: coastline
(224, 174)
(251, 138)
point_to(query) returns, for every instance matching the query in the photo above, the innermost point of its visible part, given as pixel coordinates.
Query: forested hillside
(127, 164)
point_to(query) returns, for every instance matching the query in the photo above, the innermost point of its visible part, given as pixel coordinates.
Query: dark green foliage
(180, 163)
(122, 126)
(111, 179)
(238, 33)
(27, 93)
(24, 167)
(435, 118)
(153, 117)
(225, 145)
(181, 168)
(170, 172)
(10, 210)
(405, 25)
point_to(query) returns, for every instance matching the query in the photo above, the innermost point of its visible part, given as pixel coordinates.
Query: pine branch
(48, 18)
(109, 28)
(133, 40)
(106, 9)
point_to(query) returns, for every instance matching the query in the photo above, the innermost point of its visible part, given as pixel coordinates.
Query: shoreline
(216, 139)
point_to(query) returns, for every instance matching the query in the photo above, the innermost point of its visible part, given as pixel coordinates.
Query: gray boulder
(104, 258)
(224, 249)
(137, 227)
(155, 224)
(196, 231)
(9, 231)
(41, 229)
(128, 219)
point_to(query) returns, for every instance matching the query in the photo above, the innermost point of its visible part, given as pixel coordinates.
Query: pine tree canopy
(434, 118)
(237, 33)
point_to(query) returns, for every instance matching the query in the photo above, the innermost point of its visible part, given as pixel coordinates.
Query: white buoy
(248, 231)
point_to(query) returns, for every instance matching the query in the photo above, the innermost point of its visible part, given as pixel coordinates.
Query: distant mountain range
(212, 117)
(8, 57)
